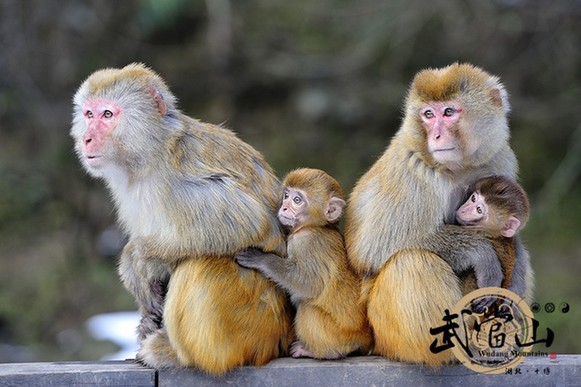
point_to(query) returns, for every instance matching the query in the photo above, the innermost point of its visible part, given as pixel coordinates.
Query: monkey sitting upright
(397, 230)
(497, 208)
(330, 322)
(189, 195)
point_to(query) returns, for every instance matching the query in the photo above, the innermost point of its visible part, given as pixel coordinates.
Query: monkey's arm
(147, 282)
(464, 249)
(286, 272)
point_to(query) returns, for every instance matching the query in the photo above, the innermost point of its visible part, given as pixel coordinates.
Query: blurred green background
(308, 83)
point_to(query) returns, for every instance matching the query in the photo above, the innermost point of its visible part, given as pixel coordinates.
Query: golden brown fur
(249, 324)
(332, 323)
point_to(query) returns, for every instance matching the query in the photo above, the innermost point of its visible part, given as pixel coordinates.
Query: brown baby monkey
(330, 321)
(497, 208)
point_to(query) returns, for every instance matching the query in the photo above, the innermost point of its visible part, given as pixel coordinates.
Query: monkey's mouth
(287, 221)
(93, 159)
(444, 149)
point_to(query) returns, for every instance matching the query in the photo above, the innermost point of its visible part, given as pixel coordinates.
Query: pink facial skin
(101, 118)
(473, 212)
(293, 208)
(439, 119)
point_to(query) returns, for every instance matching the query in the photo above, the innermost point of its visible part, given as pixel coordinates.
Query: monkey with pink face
(399, 230)
(189, 195)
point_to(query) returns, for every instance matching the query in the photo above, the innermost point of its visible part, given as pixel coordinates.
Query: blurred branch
(219, 31)
(565, 175)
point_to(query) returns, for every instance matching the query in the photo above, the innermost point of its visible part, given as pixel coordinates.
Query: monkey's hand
(250, 258)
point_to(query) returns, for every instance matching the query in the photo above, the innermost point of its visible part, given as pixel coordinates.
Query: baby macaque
(497, 208)
(330, 321)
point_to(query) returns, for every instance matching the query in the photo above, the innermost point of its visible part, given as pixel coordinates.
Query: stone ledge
(353, 371)
(103, 373)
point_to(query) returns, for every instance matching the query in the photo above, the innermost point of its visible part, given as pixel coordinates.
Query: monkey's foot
(149, 324)
(483, 305)
(298, 349)
(157, 352)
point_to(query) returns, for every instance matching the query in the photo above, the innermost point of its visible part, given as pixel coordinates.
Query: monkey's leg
(324, 333)
(408, 298)
(219, 315)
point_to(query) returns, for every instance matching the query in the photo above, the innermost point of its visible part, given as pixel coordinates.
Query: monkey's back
(219, 315)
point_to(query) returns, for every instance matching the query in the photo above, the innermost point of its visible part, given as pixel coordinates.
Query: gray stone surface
(110, 373)
(377, 371)
(354, 371)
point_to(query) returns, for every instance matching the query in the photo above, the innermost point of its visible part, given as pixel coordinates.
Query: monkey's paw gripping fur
(248, 257)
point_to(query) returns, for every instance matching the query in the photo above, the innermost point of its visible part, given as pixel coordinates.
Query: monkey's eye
(89, 114)
(107, 114)
(449, 112)
(479, 209)
(429, 114)
(297, 200)
(473, 198)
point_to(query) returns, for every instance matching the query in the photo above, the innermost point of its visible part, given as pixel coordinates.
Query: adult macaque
(330, 322)
(189, 195)
(497, 208)
(454, 132)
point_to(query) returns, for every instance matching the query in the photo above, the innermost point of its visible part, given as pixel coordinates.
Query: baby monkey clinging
(498, 208)
(330, 322)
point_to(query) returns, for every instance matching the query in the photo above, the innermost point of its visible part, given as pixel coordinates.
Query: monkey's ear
(334, 209)
(159, 101)
(499, 97)
(511, 227)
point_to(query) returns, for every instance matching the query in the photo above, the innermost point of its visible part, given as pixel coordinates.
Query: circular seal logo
(492, 325)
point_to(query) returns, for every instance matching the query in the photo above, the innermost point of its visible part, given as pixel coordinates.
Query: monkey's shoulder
(217, 137)
(202, 155)
(316, 234)
(323, 243)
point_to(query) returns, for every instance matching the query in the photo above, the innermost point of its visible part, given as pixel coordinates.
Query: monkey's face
(293, 211)
(441, 122)
(119, 120)
(101, 117)
(474, 212)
